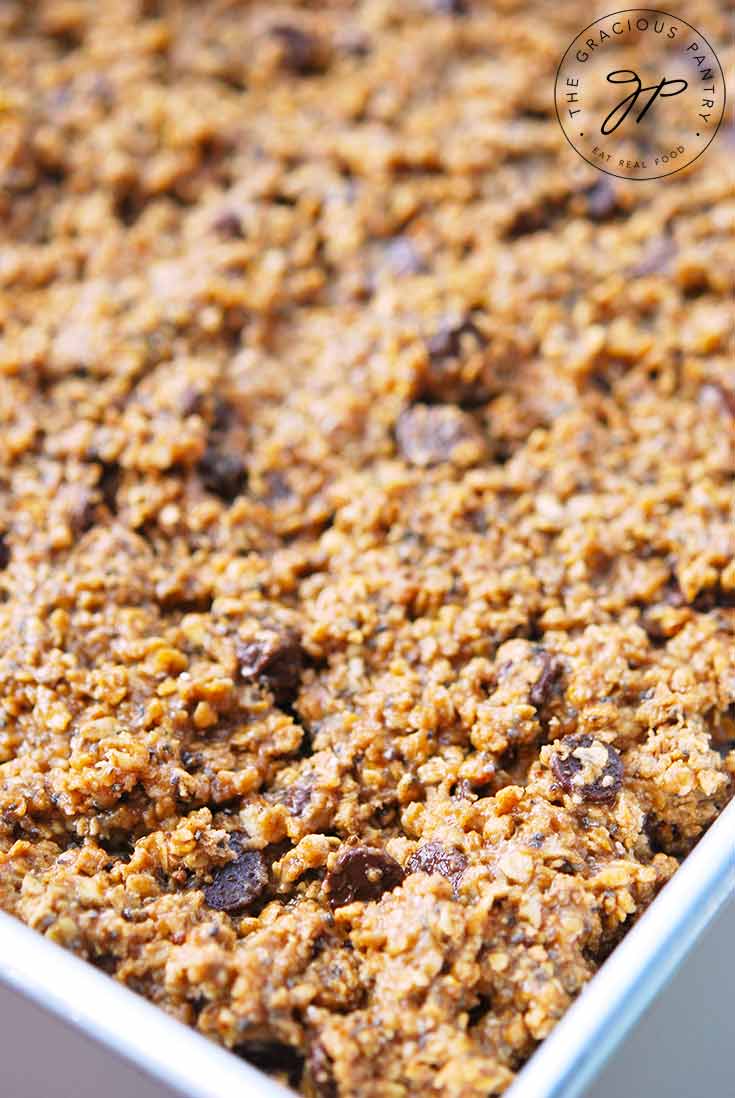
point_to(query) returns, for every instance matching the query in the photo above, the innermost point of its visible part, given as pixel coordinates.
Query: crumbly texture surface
(367, 463)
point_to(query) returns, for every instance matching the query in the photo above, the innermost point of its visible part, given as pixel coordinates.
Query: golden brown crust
(367, 507)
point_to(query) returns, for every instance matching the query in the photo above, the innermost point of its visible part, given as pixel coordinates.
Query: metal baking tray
(168, 1059)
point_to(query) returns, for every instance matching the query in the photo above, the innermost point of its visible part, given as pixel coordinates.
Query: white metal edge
(636, 971)
(135, 1029)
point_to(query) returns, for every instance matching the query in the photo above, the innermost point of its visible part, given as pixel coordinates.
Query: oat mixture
(367, 553)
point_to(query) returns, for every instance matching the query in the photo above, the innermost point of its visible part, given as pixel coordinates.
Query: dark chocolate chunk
(109, 484)
(451, 7)
(273, 1057)
(83, 513)
(602, 200)
(222, 473)
(455, 374)
(528, 219)
(431, 434)
(713, 598)
(301, 51)
(236, 885)
(434, 857)
(447, 340)
(4, 551)
(321, 1072)
(543, 688)
(362, 873)
(589, 768)
(228, 225)
(277, 660)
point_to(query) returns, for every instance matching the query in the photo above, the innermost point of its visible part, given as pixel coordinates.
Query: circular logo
(640, 93)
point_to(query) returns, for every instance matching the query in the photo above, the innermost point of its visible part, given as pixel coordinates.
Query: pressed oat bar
(367, 529)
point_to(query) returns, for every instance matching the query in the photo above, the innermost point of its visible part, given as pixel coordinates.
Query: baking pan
(179, 1061)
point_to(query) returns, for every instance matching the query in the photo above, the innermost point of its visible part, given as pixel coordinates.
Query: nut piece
(431, 434)
(362, 873)
(277, 660)
(434, 857)
(588, 768)
(236, 885)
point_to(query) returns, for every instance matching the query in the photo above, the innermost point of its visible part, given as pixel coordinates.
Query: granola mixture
(367, 555)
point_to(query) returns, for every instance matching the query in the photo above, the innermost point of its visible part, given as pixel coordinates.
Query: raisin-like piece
(277, 660)
(588, 768)
(222, 473)
(4, 551)
(434, 857)
(238, 884)
(431, 434)
(362, 873)
(543, 688)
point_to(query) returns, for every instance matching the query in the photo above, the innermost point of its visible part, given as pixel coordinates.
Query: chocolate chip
(228, 225)
(713, 598)
(434, 857)
(236, 885)
(321, 1072)
(533, 218)
(273, 1057)
(543, 688)
(4, 551)
(109, 484)
(431, 434)
(301, 51)
(362, 873)
(451, 349)
(191, 760)
(589, 768)
(222, 473)
(602, 200)
(83, 513)
(277, 660)
(450, 7)
(447, 340)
